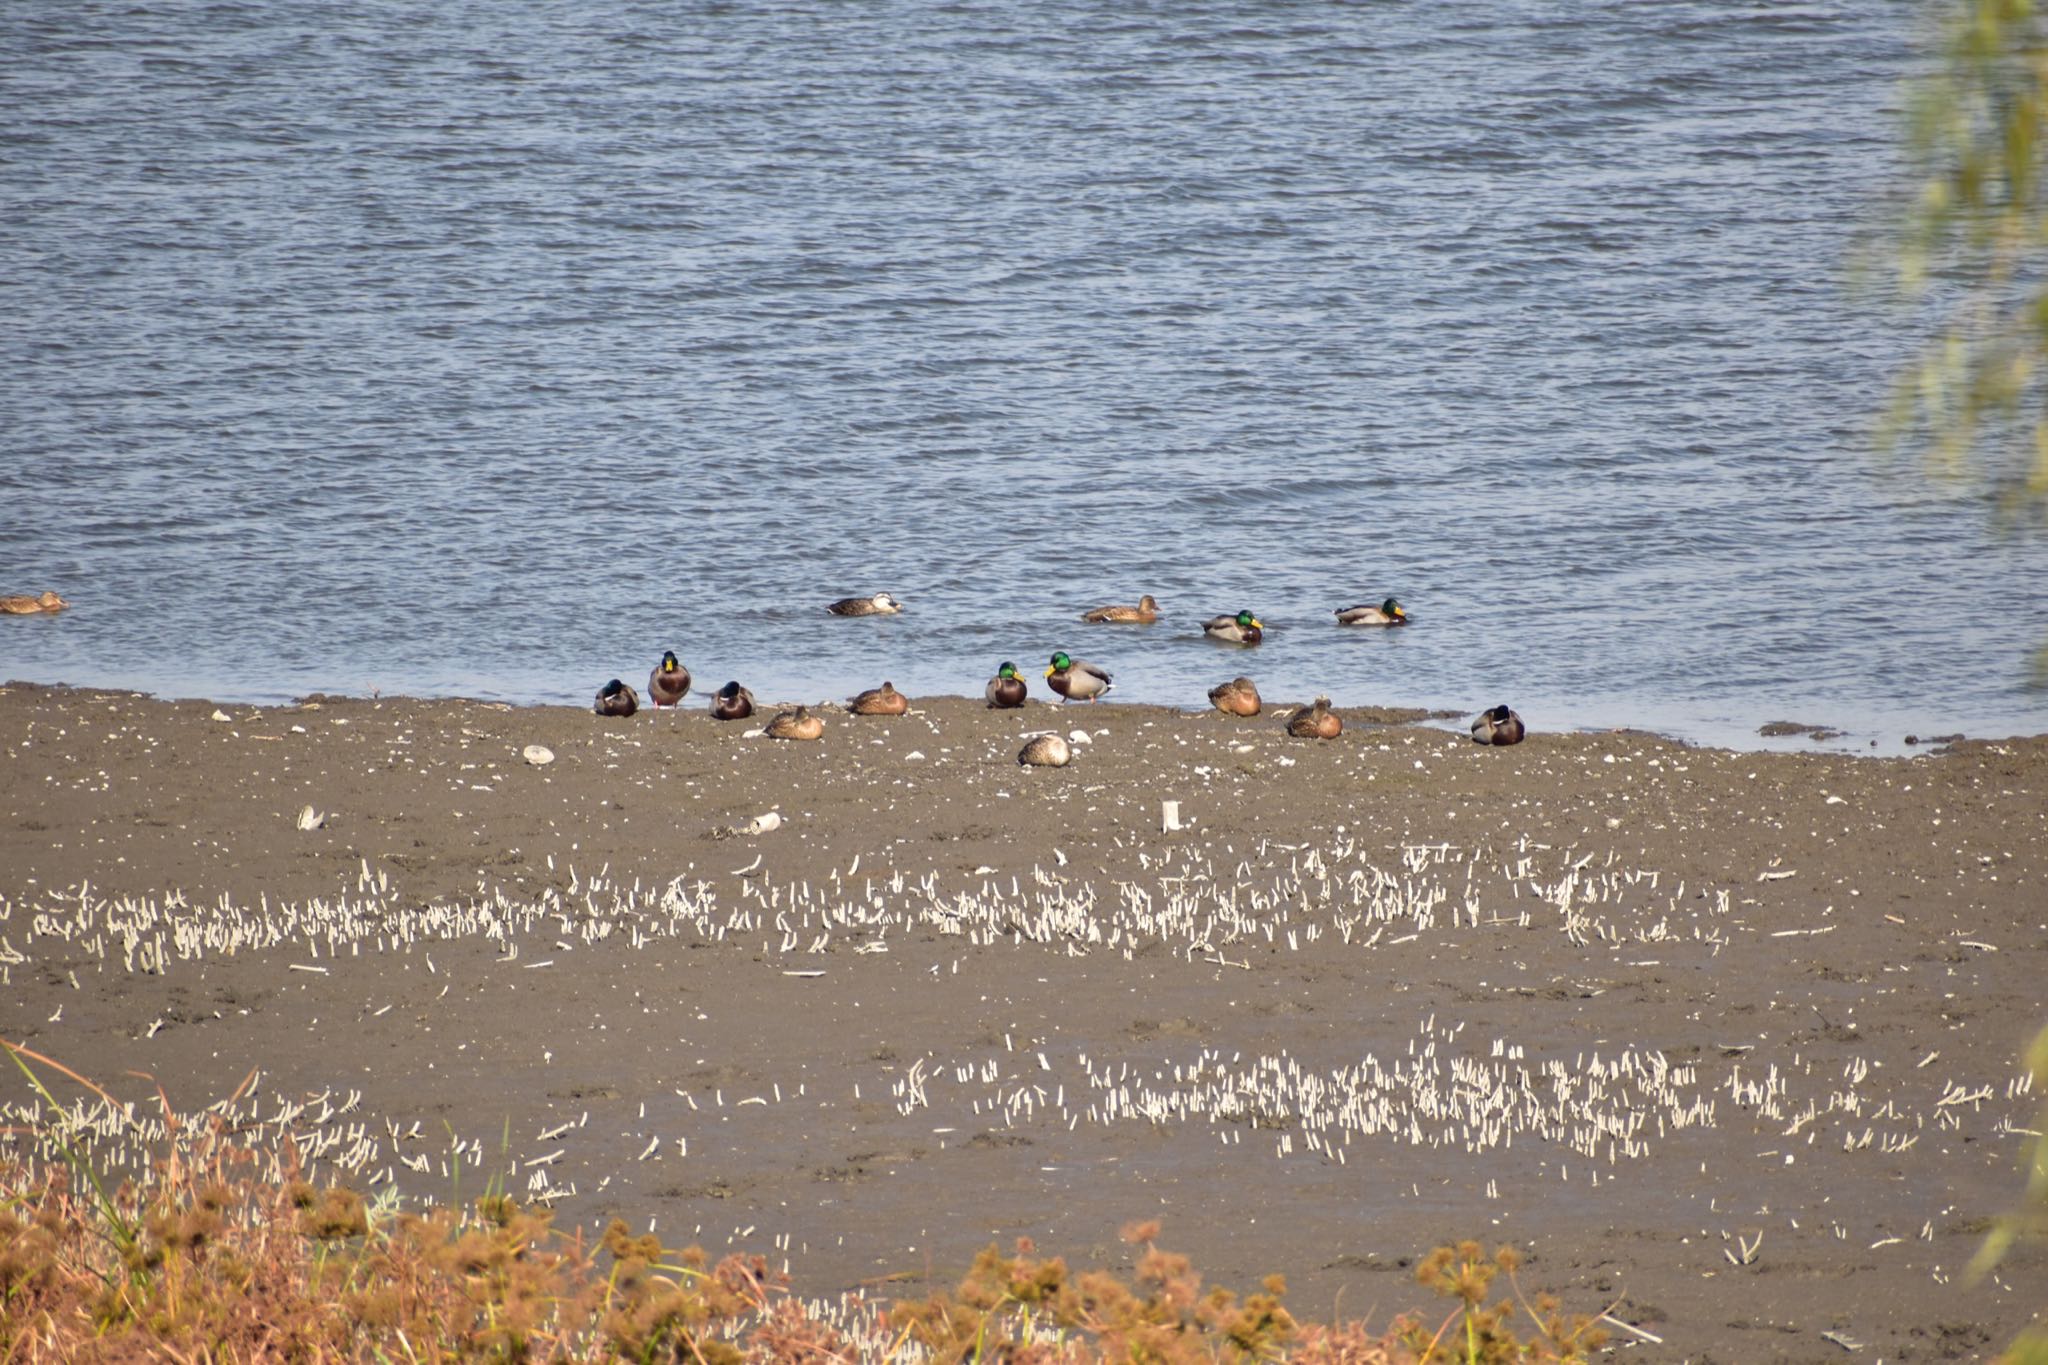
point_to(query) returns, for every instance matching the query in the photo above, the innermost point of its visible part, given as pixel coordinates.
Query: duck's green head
(1247, 621)
(1394, 609)
(1060, 664)
(669, 662)
(1008, 670)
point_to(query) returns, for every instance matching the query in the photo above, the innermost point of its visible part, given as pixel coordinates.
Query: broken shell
(762, 823)
(539, 755)
(311, 819)
(1047, 751)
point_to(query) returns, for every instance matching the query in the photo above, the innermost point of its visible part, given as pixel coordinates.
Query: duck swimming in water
(1075, 680)
(1387, 613)
(732, 702)
(32, 604)
(797, 724)
(1005, 689)
(669, 683)
(881, 604)
(1241, 629)
(1315, 722)
(1238, 697)
(1144, 614)
(1498, 726)
(616, 699)
(880, 701)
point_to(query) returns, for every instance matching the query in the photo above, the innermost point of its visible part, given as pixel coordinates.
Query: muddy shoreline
(1726, 1039)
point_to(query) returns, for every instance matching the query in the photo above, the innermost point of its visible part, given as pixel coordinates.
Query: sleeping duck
(880, 701)
(732, 702)
(1238, 697)
(616, 699)
(797, 724)
(1498, 726)
(1144, 614)
(1241, 629)
(669, 683)
(1075, 680)
(1387, 613)
(881, 604)
(1315, 722)
(1005, 689)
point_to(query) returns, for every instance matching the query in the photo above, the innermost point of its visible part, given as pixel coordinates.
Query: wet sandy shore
(1729, 1041)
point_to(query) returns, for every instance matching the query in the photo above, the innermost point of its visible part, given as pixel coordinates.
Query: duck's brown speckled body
(1144, 614)
(1315, 722)
(1238, 697)
(880, 701)
(1498, 726)
(732, 702)
(797, 724)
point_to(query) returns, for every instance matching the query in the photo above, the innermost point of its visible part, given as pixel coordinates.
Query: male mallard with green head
(1144, 614)
(1387, 613)
(1075, 680)
(1238, 697)
(616, 699)
(32, 604)
(732, 702)
(1315, 722)
(1241, 629)
(669, 683)
(880, 701)
(881, 604)
(1498, 726)
(1005, 689)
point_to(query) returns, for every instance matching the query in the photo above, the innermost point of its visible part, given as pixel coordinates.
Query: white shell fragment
(762, 823)
(539, 755)
(1079, 737)
(222, 715)
(1169, 816)
(1047, 751)
(311, 819)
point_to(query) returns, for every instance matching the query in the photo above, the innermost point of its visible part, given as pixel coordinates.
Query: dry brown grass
(203, 1260)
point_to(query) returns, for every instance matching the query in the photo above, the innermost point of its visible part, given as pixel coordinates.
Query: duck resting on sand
(616, 699)
(669, 683)
(1241, 629)
(1315, 722)
(732, 702)
(1387, 613)
(881, 604)
(1144, 614)
(1498, 726)
(797, 724)
(1238, 697)
(1005, 689)
(1075, 680)
(880, 701)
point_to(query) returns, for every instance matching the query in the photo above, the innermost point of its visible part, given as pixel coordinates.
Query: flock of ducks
(1072, 679)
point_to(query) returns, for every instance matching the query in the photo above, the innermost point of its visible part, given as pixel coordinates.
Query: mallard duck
(880, 701)
(1046, 751)
(669, 683)
(1387, 613)
(1005, 689)
(881, 604)
(1498, 726)
(797, 724)
(1241, 629)
(1238, 697)
(732, 702)
(31, 604)
(1075, 680)
(616, 699)
(1144, 614)
(1315, 722)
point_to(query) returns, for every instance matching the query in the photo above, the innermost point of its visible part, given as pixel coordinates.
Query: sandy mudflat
(1646, 1010)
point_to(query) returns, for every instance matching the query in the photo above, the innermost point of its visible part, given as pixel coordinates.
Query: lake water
(492, 348)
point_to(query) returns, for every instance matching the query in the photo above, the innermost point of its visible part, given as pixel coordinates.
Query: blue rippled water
(493, 348)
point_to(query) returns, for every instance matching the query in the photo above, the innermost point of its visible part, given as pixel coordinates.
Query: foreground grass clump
(204, 1259)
